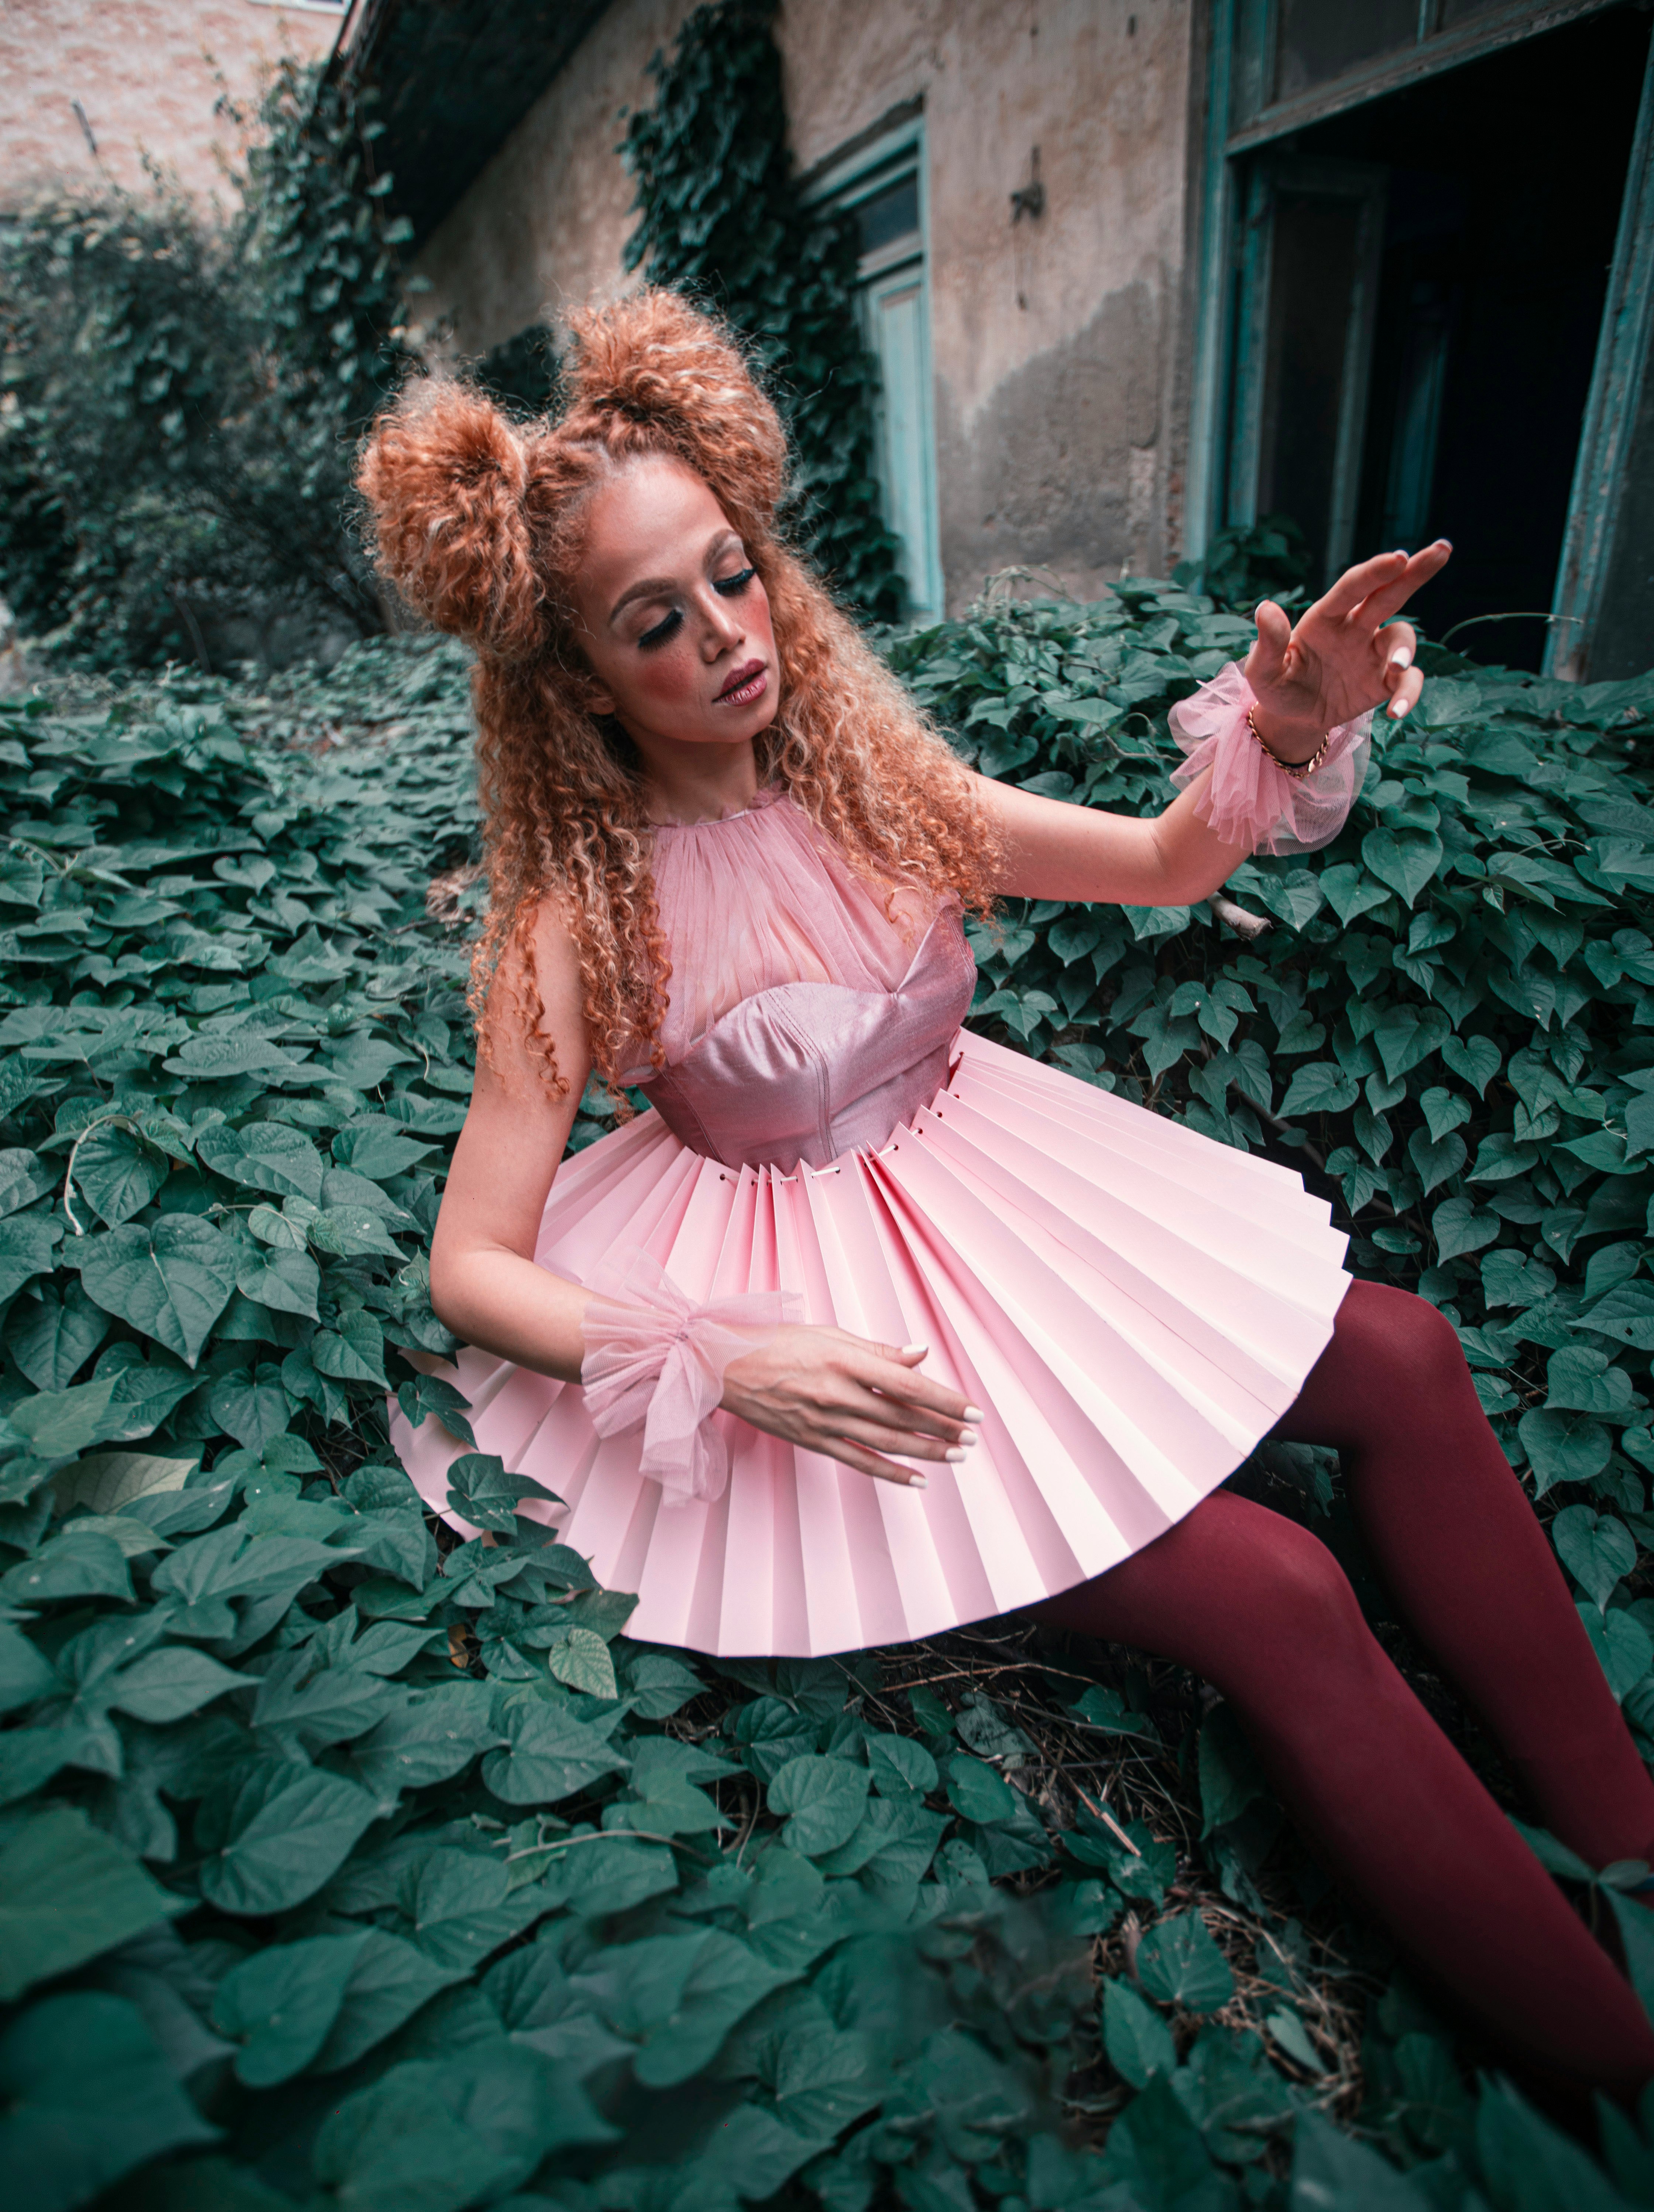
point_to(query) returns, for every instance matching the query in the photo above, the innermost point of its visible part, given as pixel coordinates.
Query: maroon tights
(1258, 1606)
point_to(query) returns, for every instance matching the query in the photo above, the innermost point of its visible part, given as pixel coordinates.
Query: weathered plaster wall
(543, 228)
(1055, 341)
(1052, 340)
(146, 73)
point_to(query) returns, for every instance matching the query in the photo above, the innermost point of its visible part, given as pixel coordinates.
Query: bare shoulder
(535, 998)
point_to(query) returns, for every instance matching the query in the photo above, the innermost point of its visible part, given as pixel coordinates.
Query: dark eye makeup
(728, 587)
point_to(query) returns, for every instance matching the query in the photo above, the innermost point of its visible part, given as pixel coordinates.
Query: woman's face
(675, 621)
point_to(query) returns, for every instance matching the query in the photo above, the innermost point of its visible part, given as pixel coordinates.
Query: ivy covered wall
(1057, 342)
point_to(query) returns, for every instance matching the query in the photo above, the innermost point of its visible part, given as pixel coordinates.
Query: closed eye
(730, 586)
(662, 631)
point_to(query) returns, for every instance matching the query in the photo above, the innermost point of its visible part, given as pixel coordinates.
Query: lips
(745, 685)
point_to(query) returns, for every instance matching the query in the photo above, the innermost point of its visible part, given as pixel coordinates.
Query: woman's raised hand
(827, 1391)
(1343, 655)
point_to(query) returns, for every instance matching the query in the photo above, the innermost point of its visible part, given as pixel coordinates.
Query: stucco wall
(1055, 342)
(146, 73)
(543, 228)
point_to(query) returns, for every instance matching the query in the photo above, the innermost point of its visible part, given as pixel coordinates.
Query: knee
(1403, 1351)
(1306, 1614)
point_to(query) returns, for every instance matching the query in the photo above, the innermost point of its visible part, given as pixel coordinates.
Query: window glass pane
(1311, 298)
(890, 213)
(1460, 12)
(1322, 38)
(898, 341)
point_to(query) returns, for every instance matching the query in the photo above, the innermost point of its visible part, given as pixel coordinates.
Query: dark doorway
(1500, 185)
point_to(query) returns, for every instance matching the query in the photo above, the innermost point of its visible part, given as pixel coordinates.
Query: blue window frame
(1287, 429)
(882, 183)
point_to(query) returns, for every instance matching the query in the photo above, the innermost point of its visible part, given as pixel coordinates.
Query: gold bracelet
(1296, 769)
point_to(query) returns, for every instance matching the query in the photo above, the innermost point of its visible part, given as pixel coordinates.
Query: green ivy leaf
(284, 1279)
(26, 1251)
(582, 1661)
(1137, 2040)
(1320, 1087)
(824, 1798)
(119, 1174)
(263, 1155)
(1459, 1225)
(170, 1280)
(1579, 1379)
(354, 1352)
(88, 2098)
(1597, 1549)
(68, 1893)
(279, 2004)
(271, 1837)
(1404, 859)
(1178, 1962)
(1563, 1448)
(1475, 1058)
(977, 1793)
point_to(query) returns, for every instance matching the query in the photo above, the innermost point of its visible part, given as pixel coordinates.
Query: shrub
(182, 404)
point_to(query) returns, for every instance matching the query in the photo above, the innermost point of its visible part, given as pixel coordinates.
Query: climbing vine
(721, 217)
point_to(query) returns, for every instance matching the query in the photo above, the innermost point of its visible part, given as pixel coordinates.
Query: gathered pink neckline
(765, 797)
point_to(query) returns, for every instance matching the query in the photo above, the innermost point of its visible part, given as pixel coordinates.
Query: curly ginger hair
(480, 526)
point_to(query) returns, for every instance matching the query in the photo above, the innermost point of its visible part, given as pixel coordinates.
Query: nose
(724, 627)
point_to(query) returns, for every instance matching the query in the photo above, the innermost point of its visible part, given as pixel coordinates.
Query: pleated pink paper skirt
(1133, 1305)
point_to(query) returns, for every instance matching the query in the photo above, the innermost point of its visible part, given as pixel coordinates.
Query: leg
(1455, 1536)
(1258, 1606)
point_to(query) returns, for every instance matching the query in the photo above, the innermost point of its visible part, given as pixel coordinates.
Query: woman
(729, 861)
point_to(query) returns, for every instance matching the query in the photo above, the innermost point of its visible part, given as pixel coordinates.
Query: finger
(879, 1436)
(1399, 643)
(1405, 696)
(904, 1355)
(1388, 598)
(1356, 584)
(910, 1388)
(897, 1417)
(868, 1463)
(1265, 661)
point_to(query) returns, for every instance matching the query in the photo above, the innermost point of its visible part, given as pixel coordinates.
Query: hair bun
(653, 360)
(444, 472)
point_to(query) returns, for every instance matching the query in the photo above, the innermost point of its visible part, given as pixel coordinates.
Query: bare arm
(485, 1285)
(1344, 656)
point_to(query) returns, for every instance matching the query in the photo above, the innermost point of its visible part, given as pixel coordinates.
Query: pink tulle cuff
(655, 1360)
(1249, 800)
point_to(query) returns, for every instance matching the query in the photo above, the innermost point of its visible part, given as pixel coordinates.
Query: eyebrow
(653, 587)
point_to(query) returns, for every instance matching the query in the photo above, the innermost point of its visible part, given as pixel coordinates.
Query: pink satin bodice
(803, 1020)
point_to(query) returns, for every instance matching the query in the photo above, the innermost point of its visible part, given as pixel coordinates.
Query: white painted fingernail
(967, 1436)
(918, 1482)
(1401, 657)
(973, 1413)
(913, 1350)
(953, 1454)
(1397, 708)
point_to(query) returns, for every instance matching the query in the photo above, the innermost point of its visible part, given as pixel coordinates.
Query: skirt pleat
(1132, 1305)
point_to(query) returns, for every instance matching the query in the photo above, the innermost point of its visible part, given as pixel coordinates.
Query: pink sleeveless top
(803, 1023)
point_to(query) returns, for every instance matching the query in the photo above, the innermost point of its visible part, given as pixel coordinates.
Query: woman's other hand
(1343, 655)
(824, 1390)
